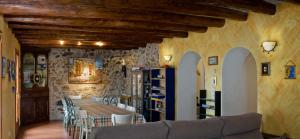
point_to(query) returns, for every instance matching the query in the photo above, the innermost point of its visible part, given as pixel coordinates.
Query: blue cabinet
(162, 94)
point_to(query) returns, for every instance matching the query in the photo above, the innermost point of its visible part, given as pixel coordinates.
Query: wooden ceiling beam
(292, 1)
(110, 47)
(259, 6)
(84, 37)
(94, 13)
(93, 30)
(107, 8)
(74, 42)
(106, 24)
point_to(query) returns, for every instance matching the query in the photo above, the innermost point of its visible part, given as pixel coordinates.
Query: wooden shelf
(207, 99)
(158, 79)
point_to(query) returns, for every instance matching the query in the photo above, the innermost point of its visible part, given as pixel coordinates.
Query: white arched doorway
(239, 83)
(189, 72)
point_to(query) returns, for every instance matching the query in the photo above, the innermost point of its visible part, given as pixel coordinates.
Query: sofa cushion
(255, 134)
(242, 125)
(201, 129)
(157, 130)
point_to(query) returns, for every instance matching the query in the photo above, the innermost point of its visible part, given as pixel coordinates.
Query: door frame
(18, 90)
(1, 84)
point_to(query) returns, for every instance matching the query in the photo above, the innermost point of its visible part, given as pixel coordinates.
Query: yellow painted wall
(278, 98)
(9, 44)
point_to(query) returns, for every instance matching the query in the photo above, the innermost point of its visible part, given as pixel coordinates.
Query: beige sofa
(245, 126)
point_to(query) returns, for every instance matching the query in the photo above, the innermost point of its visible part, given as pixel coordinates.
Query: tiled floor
(47, 130)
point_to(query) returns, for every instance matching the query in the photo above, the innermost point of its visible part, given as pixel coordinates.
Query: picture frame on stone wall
(266, 69)
(83, 71)
(213, 60)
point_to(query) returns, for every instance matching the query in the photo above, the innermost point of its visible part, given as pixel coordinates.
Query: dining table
(100, 114)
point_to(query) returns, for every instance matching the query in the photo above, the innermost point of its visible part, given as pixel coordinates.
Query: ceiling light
(99, 43)
(269, 46)
(61, 42)
(79, 43)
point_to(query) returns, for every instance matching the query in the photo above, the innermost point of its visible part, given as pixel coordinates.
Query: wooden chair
(121, 119)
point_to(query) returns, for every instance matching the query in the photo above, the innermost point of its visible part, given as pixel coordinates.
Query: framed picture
(213, 60)
(84, 71)
(290, 70)
(12, 70)
(8, 69)
(266, 69)
(3, 67)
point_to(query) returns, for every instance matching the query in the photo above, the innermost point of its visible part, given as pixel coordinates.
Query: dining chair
(76, 97)
(85, 125)
(121, 119)
(122, 106)
(132, 109)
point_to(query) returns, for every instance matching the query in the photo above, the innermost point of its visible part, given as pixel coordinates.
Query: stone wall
(112, 78)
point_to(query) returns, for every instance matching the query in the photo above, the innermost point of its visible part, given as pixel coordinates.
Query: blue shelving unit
(162, 96)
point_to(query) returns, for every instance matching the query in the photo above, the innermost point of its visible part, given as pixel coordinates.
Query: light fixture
(269, 46)
(168, 58)
(99, 43)
(61, 42)
(79, 43)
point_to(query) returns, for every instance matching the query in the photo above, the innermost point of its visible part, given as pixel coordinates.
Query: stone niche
(112, 77)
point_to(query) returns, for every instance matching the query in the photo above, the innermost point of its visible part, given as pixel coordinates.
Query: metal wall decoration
(290, 70)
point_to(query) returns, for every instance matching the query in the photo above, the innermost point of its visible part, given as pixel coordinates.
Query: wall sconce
(269, 46)
(168, 58)
(124, 70)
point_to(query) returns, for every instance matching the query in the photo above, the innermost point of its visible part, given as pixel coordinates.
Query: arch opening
(190, 80)
(239, 83)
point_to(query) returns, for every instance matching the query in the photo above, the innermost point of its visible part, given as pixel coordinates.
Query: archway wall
(186, 96)
(239, 91)
(276, 96)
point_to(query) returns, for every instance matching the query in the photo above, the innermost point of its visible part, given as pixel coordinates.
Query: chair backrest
(76, 97)
(132, 109)
(82, 114)
(122, 106)
(121, 119)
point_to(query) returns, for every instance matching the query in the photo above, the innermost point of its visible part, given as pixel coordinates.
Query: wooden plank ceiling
(119, 24)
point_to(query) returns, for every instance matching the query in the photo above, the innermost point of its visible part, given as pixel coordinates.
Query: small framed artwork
(8, 69)
(213, 60)
(266, 69)
(290, 70)
(3, 66)
(12, 70)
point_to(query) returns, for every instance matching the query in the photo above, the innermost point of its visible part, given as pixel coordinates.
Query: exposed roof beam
(93, 30)
(106, 8)
(110, 47)
(83, 37)
(105, 24)
(259, 6)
